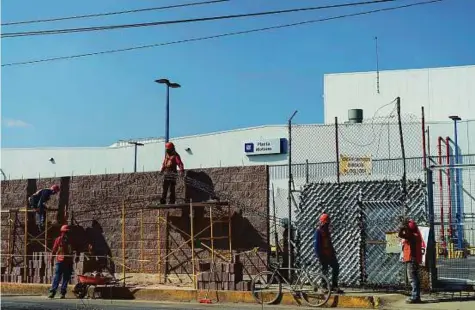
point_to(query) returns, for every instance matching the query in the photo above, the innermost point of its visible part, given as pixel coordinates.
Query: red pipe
(424, 154)
(441, 192)
(447, 141)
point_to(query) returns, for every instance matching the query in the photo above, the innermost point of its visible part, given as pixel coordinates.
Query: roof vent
(355, 116)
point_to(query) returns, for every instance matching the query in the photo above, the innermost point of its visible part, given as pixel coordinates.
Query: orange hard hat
(64, 228)
(324, 218)
(55, 188)
(169, 146)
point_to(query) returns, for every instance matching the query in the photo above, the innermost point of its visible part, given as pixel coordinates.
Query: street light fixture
(455, 119)
(167, 109)
(135, 152)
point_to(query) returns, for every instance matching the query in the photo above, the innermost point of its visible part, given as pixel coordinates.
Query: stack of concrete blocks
(222, 277)
(40, 270)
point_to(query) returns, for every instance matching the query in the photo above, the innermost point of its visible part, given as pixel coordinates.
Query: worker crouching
(412, 256)
(38, 201)
(171, 163)
(63, 250)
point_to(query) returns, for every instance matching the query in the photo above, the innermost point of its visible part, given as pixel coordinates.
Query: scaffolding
(42, 238)
(213, 213)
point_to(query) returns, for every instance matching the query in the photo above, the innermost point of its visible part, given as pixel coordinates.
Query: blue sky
(228, 83)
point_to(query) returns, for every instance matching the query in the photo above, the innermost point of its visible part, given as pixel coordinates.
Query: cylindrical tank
(355, 116)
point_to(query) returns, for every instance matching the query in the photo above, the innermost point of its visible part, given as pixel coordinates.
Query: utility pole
(135, 152)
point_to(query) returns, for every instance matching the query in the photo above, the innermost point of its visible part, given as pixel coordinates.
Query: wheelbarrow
(85, 282)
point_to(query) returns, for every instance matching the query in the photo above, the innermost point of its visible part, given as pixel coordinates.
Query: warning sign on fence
(352, 165)
(393, 243)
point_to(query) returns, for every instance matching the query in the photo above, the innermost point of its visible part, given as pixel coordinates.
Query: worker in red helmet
(325, 251)
(63, 250)
(412, 256)
(171, 163)
(37, 202)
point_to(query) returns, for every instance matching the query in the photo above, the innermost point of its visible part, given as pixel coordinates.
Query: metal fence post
(289, 196)
(431, 247)
(337, 148)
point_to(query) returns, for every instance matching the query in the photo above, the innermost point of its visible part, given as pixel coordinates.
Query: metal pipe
(167, 116)
(403, 153)
(141, 240)
(25, 250)
(230, 234)
(123, 241)
(447, 139)
(441, 190)
(457, 189)
(306, 171)
(211, 224)
(424, 154)
(337, 151)
(289, 194)
(192, 237)
(159, 246)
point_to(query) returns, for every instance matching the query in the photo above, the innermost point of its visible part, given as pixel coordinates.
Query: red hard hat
(324, 218)
(169, 146)
(64, 228)
(55, 188)
(412, 225)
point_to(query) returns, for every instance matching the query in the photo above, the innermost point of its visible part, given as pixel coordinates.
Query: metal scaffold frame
(28, 238)
(163, 224)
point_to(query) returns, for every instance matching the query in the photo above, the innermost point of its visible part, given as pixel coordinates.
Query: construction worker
(325, 251)
(412, 256)
(171, 162)
(63, 250)
(37, 201)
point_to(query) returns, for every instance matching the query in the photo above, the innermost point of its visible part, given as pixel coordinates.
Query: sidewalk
(351, 299)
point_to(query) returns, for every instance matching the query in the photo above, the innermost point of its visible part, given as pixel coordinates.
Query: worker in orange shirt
(171, 163)
(63, 250)
(412, 256)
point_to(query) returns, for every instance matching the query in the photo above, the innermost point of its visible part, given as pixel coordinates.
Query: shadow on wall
(99, 247)
(91, 241)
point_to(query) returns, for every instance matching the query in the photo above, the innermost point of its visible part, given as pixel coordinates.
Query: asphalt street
(43, 303)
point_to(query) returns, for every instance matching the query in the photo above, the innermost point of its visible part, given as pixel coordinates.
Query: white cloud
(15, 123)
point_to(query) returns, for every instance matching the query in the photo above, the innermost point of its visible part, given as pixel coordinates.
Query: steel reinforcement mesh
(361, 214)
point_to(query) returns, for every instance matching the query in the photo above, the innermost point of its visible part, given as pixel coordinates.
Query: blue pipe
(458, 191)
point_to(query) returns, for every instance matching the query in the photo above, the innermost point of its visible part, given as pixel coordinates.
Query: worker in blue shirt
(37, 202)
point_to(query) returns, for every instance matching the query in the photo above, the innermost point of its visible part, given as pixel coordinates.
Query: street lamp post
(167, 107)
(456, 118)
(135, 153)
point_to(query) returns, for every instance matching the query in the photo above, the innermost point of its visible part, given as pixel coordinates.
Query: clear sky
(228, 83)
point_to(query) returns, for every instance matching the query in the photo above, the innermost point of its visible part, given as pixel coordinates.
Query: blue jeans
(62, 271)
(40, 215)
(412, 269)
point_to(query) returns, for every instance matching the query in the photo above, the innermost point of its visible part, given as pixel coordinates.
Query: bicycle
(313, 288)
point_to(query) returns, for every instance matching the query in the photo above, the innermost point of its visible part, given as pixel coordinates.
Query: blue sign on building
(249, 147)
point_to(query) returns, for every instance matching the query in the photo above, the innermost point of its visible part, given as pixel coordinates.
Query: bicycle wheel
(266, 287)
(315, 289)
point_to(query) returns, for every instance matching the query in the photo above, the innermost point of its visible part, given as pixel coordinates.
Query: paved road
(461, 269)
(42, 303)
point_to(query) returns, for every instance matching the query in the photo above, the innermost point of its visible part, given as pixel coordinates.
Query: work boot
(413, 301)
(63, 296)
(336, 290)
(51, 295)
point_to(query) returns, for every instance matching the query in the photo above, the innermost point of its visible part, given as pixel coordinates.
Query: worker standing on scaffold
(37, 202)
(171, 162)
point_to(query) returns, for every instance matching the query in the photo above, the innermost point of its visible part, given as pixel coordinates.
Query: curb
(340, 301)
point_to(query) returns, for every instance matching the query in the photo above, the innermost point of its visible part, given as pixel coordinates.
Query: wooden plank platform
(187, 205)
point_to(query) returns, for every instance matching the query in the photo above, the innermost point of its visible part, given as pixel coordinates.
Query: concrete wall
(442, 91)
(101, 197)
